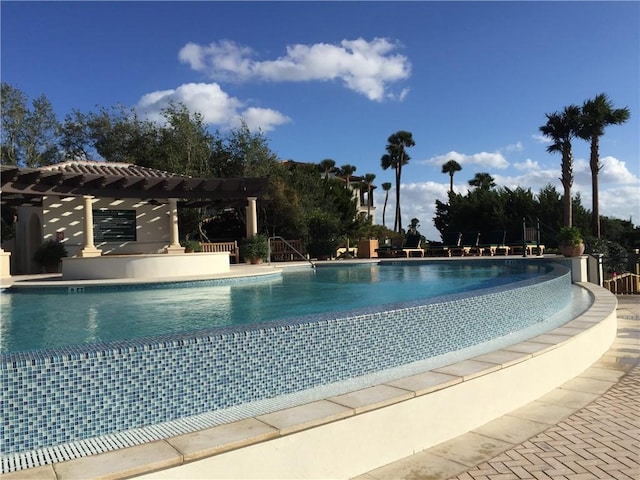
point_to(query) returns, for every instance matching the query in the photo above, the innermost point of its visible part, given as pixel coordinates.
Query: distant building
(361, 192)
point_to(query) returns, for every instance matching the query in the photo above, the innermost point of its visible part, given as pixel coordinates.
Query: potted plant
(49, 255)
(255, 249)
(570, 242)
(191, 246)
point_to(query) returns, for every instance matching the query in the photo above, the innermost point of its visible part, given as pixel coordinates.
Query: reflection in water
(32, 322)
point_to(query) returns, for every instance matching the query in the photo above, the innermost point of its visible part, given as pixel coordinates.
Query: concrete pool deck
(147, 458)
(586, 428)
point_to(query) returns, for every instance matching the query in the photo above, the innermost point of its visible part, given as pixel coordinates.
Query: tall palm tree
(561, 128)
(483, 181)
(395, 158)
(597, 114)
(386, 186)
(368, 181)
(327, 166)
(346, 171)
(451, 167)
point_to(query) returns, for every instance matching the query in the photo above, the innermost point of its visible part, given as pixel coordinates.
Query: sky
(472, 81)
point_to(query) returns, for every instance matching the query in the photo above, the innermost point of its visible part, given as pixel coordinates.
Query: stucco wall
(67, 215)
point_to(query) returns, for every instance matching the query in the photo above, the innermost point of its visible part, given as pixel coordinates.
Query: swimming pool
(70, 394)
(105, 314)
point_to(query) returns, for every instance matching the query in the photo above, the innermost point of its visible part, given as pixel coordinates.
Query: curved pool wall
(65, 395)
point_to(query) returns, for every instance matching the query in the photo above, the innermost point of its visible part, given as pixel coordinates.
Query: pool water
(44, 320)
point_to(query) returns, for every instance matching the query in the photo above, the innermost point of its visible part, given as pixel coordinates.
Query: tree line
(297, 204)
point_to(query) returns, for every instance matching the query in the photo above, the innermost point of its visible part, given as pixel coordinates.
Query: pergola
(91, 179)
(21, 186)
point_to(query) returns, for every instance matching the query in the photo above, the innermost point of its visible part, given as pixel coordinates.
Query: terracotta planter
(51, 268)
(569, 250)
(255, 261)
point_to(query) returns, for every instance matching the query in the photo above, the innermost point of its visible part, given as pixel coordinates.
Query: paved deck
(589, 428)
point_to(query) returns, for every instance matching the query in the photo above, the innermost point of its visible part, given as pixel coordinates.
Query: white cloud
(514, 147)
(215, 106)
(224, 60)
(483, 159)
(262, 119)
(364, 67)
(620, 202)
(615, 171)
(541, 138)
(528, 164)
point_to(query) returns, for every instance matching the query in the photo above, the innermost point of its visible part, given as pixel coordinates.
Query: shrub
(50, 253)
(570, 236)
(254, 248)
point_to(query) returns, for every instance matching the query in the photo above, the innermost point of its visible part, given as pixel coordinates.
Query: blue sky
(472, 81)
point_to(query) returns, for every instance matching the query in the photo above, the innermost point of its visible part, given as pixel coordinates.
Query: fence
(286, 250)
(623, 284)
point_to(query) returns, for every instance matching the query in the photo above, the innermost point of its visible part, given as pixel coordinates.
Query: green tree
(597, 114)
(413, 227)
(562, 128)
(483, 181)
(346, 171)
(76, 141)
(396, 157)
(29, 134)
(114, 134)
(185, 142)
(327, 166)
(368, 182)
(251, 150)
(451, 167)
(550, 209)
(386, 186)
(39, 138)
(14, 111)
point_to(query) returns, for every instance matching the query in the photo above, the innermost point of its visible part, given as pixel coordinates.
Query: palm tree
(368, 181)
(597, 114)
(327, 166)
(561, 128)
(483, 181)
(346, 171)
(386, 186)
(395, 158)
(451, 167)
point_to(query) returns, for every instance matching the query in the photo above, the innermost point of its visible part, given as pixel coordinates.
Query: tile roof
(107, 168)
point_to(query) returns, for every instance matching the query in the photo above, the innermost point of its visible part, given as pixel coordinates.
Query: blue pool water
(50, 319)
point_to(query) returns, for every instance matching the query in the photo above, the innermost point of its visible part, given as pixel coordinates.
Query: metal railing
(300, 254)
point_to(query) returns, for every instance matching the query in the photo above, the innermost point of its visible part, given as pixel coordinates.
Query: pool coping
(191, 452)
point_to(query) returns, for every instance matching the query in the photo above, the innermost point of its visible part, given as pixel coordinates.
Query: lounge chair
(495, 244)
(530, 245)
(449, 240)
(468, 243)
(410, 247)
(389, 250)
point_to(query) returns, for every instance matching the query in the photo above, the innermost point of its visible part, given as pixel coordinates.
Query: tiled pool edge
(261, 447)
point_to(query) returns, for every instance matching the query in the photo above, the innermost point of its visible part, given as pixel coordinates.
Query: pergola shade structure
(100, 179)
(66, 197)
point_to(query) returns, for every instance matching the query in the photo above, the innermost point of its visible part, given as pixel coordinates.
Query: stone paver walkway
(589, 428)
(599, 441)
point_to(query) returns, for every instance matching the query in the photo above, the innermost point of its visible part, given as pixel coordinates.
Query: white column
(89, 249)
(252, 217)
(5, 264)
(174, 234)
